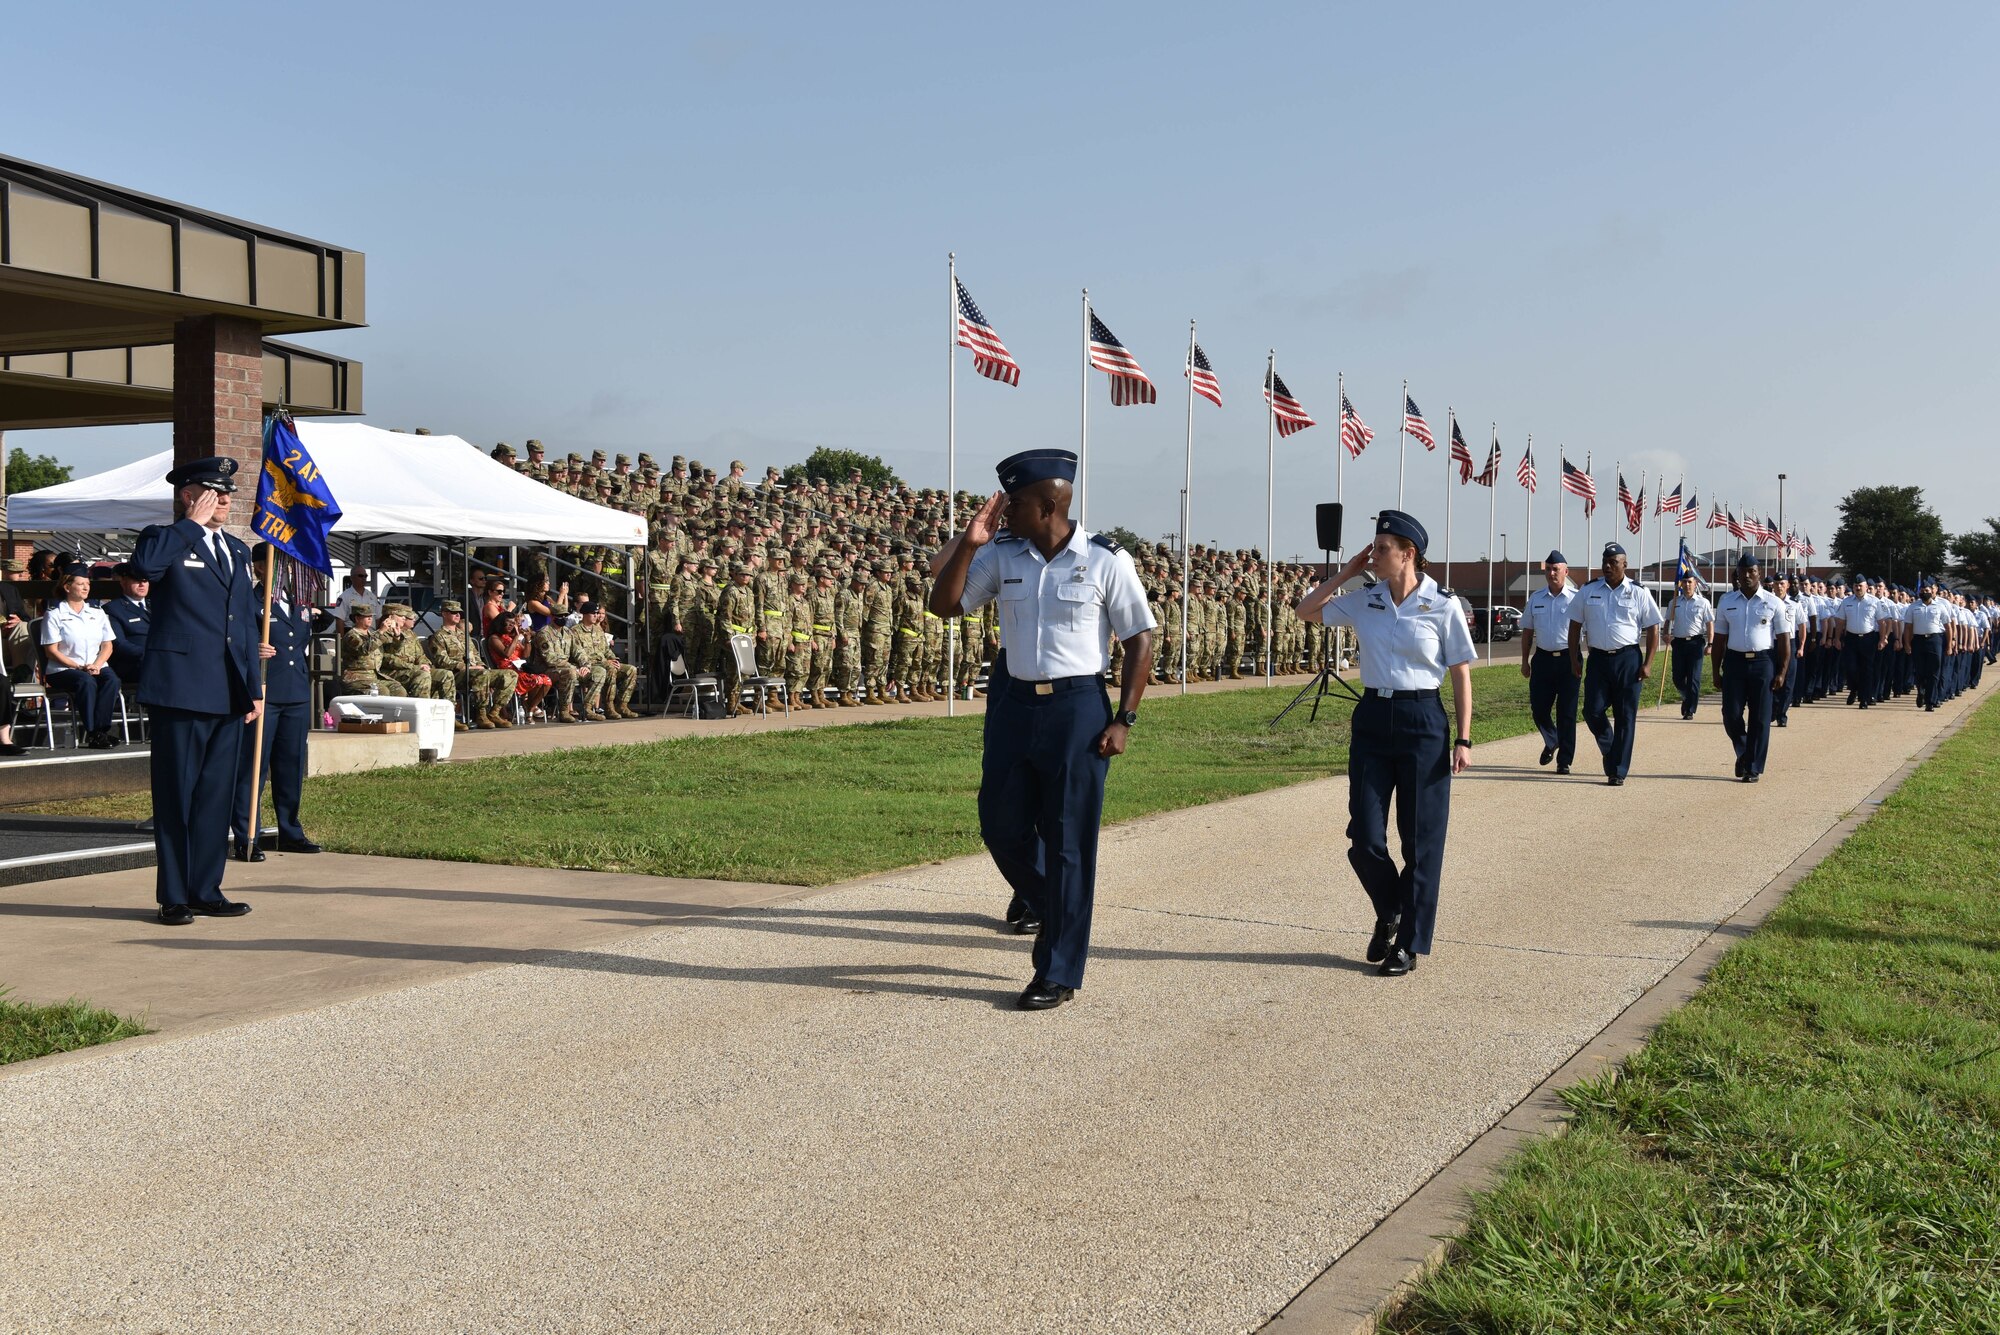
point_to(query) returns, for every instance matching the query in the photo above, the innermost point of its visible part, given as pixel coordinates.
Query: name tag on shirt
(193, 562)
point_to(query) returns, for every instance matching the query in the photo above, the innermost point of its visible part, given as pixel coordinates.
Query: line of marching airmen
(1794, 641)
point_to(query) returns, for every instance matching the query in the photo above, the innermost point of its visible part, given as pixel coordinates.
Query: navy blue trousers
(1611, 686)
(194, 786)
(1400, 747)
(1928, 654)
(282, 769)
(1857, 662)
(1552, 697)
(1041, 799)
(1688, 657)
(1782, 696)
(1746, 706)
(96, 698)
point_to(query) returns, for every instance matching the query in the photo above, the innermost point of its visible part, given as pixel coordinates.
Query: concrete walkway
(823, 1114)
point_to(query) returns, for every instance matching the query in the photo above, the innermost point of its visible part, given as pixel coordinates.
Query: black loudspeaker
(1327, 517)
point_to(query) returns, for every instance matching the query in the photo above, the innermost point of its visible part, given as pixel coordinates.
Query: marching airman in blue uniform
(1623, 624)
(200, 686)
(1412, 636)
(1060, 592)
(1753, 639)
(1692, 623)
(1545, 662)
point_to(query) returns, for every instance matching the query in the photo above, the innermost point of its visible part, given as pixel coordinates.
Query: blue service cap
(1031, 466)
(1404, 526)
(1613, 549)
(215, 473)
(1556, 559)
(1747, 561)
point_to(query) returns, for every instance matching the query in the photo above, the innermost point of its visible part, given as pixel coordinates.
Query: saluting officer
(1693, 624)
(287, 717)
(1623, 623)
(1545, 663)
(1411, 635)
(1059, 590)
(1753, 648)
(201, 685)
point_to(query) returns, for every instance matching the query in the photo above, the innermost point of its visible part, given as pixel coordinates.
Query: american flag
(1461, 454)
(1291, 414)
(1203, 376)
(1128, 383)
(1414, 423)
(1354, 433)
(1670, 502)
(1491, 473)
(1715, 518)
(1690, 513)
(1635, 517)
(1578, 482)
(1624, 496)
(989, 355)
(1771, 531)
(1807, 546)
(1736, 527)
(1525, 474)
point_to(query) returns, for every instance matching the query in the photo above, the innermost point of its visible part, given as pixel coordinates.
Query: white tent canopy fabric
(391, 487)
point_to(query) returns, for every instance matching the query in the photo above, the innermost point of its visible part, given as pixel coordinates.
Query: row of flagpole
(1102, 351)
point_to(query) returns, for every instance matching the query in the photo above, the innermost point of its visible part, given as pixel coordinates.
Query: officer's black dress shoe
(175, 915)
(1028, 927)
(1399, 962)
(1044, 997)
(1752, 778)
(242, 854)
(1017, 909)
(285, 845)
(1548, 754)
(1385, 932)
(1742, 766)
(12, 749)
(1562, 769)
(219, 908)
(1615, 780)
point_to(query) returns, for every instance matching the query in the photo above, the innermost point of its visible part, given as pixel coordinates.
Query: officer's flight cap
(1612, 549)
(1031, 466)
(215, 473)
(1404, 526)
(1746, 562)
(1556, 558)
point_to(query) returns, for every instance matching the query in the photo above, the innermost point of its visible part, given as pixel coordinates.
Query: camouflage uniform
(878, 636)
(403, 659)
(822, 600)
(735, 614)
(799, 651)
(850, 617)
(491, 689)
(618, 680)
(908, 654)
(361, 664)
(554, 658)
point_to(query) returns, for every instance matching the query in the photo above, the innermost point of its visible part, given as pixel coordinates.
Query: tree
(1889, 533)
(1978, 557)
(26, 472)
(834, 466)
(1123, 536)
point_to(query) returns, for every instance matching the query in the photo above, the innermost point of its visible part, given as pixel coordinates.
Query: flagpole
(1402, 442)
(1492, 515)
(1187, 509)
(1270, 487)
(1083, 426)
(1451, 428)
(1562, 506)
(1528, 533)
(1589, 518)
(254, 834)
(1340, 454)
(952, 631)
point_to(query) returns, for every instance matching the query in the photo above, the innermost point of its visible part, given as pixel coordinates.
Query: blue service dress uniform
(1691, 621)
(1041, 784)
(1614, 617)
(199, 681)
(1747, 629)
(287, 719)
(1401, 745)
(133, 620)
(1552, 687)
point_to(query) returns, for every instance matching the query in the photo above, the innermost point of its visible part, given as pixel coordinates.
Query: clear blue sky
(1724, 240)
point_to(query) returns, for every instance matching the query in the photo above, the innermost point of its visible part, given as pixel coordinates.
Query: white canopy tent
(391, 487)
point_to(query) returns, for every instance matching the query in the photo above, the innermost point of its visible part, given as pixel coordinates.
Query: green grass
(812, 805)
(27, 1032)
(1813, 1143)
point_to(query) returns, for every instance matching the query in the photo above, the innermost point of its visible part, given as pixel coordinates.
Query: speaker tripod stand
(1322, 685)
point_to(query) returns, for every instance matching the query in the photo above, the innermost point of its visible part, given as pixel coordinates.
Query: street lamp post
(1783, 544)
(1493, 612)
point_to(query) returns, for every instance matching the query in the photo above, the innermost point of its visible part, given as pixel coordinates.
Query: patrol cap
(597, 457)
(1555, 558)
(1031, 466)
(503, 451)
(738, 568)
(1613, 549)
(399, 610)
(215, 472)
(359, 610)
(452, 605)
(736, 464)
(1403, 525)
(534, 447)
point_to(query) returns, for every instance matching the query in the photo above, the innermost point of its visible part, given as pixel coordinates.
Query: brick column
(219, 399)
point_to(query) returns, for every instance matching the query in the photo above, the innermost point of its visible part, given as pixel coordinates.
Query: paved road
(822, 1114)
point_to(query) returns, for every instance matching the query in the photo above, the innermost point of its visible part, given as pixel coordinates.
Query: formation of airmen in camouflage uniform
(827, 582)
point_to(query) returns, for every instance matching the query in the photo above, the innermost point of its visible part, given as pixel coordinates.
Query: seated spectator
(509, 648)
(355, 591)
(18, 654)
(78, 639)
(133, 620)
(494, 603)
(541, 606)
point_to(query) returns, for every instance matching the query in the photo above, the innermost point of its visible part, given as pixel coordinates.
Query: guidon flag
(295, 510)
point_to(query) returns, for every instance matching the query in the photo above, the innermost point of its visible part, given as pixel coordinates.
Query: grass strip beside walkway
(810, 806)
(1810, 1145)
(27, 1032)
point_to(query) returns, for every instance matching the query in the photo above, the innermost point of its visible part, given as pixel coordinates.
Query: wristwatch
(1465, 742)
(1127, 717)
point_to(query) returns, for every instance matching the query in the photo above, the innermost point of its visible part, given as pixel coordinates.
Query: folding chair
(694, 683)
(30, 691)
(744, 650)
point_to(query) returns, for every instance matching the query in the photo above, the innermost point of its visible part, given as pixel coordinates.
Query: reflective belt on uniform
(914, 634)
(735, 629)
(769, 613)
(822, 627)
(801, 637)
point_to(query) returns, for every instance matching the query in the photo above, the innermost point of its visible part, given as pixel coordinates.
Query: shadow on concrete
(16, 910)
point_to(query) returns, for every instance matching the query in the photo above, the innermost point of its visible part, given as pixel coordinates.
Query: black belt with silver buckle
(1059, 684)
(1380, 694)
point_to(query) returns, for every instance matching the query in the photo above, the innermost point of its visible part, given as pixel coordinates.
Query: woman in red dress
(509, 647)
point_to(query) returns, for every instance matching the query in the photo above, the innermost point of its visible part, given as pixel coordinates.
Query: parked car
(1498, 624)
